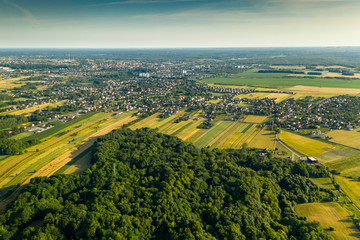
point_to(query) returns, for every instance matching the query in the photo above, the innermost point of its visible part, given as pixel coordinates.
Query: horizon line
(159, 48)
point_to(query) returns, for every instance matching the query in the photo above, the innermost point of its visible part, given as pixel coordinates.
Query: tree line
(147, 185)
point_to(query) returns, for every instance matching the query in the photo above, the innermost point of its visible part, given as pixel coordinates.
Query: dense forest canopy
(147, 185)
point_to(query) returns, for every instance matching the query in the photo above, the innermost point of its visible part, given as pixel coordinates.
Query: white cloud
(141, 2)
(27, 14)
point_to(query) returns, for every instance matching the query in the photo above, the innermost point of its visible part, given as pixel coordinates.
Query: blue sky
(178, 23)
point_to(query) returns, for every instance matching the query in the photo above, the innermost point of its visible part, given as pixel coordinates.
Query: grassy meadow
(351, 187)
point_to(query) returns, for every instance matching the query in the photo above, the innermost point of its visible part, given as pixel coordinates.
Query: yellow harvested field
(278, 96)
(347, 138)
(33, 109)
(264, 139)
(333, 66)
(253, 95)
(215, 101)
(325, 90)
(305, 145)
(330, 214)
(255, 119)
(334, 74)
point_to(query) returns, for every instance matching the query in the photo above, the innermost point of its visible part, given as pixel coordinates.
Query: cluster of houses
(167, 87)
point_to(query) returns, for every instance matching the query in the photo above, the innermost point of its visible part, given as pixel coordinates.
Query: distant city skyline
(178, 23)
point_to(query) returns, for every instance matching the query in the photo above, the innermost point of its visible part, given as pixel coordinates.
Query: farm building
(312, 160)
(309, 160)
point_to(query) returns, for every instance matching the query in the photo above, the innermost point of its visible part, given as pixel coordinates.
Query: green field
(21, 135)
(330, 214)
(276, 80)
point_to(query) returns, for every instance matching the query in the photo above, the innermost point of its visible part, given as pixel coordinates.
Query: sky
(178, 23)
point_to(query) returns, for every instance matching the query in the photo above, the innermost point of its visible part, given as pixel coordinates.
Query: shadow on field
(6, 191)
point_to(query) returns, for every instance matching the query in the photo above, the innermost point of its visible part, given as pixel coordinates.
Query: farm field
(279, 96)
(305, 145)
(351, 187)
(221, 140)
(82, 146)
(239, 133)
(330, 214)
(212, 133)
(260, 95)
(301, 90)
(14, 167)
(154, 121)
(348, 164)
(254, 119)
(253, 95)
(185, 130)
(56, 151)
(9, 83)
(264, 139)
(224, 134)
(347, 138)
(245, 134)
(284, 82)
(334, 74)
(190, 130)
(336, 155)
(33, 109)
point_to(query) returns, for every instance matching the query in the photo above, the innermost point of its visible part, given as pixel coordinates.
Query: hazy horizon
(154, 24)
